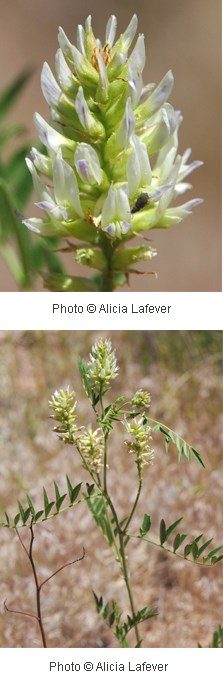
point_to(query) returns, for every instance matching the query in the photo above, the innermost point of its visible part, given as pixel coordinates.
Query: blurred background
(182, 371)
(185, 37)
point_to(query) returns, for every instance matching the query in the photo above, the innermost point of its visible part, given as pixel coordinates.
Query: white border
(23, 667)
(159, 311)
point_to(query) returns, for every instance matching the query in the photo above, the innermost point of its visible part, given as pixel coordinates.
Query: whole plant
(91, 444)
(111, 162)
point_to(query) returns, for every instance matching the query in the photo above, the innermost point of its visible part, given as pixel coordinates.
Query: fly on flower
(140, 203)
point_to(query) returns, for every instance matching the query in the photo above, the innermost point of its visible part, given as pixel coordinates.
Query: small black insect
(140, 203)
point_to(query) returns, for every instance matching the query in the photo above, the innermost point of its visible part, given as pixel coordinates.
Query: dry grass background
(181, 370)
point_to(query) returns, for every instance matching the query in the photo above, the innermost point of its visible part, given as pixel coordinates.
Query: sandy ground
(184, 381)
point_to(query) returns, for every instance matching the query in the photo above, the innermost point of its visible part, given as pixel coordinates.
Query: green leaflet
(30, 516)
(112, 614)
(146, 524)
(172, 437)
(98, 509)
(190, 548)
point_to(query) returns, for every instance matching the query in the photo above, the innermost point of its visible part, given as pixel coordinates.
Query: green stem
(134, 505)
(128, 585)
(105, 462)
(107, 276)
(121, 536)
(166, 549)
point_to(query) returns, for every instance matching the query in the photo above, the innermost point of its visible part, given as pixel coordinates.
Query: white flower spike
(111, 154)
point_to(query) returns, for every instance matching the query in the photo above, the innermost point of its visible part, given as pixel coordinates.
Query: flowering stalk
(105, 129)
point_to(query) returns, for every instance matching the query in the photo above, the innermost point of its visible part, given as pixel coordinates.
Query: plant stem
(128, 586)
(105, 462)
(38, 589)
(123, 562)
(134, 505)
(166, 549)
(29, 553)
(107, 276)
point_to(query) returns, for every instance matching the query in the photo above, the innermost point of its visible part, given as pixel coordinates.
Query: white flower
(116, 214)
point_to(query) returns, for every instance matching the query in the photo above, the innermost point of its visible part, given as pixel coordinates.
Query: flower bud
(93, 257)
(125, 257)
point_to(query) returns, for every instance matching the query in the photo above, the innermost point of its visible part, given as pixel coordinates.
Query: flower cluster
(64, 404)
(103, 365)
(90, 443)
(141, 399)
(140, 446)
(105, 129)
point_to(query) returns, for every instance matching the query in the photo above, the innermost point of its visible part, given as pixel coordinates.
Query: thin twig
(18, 611)
(38, 586)
(61, 568)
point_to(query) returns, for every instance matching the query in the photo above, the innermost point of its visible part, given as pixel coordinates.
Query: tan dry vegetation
(184, 383)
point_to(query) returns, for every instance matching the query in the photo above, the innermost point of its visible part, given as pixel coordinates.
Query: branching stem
(38, 586)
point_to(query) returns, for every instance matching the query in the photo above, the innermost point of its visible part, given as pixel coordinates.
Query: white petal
(40, 188)
(82, 109)
(133, 173)
(57, 211)
(165, 163)
(138, 56)
(92, 173)
(80, 39)
(34, 223)
(63, 72)
(186, 155)
(64, 43)
(190, 204)
(167, 197)
(103, 73)
(122, 205)
(42, 162)
(187, 169)
(108, 210)
(130, 32)
(159, 95)
(111, 30)
(88, 23)
(181, 188)
(50, 88)
(49, 136)
(127, 126)
(65, 185)
(135, 84)
(145, 169)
